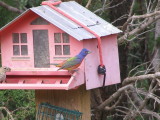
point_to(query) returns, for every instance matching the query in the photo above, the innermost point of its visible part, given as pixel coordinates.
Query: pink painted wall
(110, 59)
(23, 26)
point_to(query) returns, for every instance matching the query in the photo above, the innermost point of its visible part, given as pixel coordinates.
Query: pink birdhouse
(52, 33)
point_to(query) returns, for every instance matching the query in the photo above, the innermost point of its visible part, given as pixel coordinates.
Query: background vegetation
(137, 97)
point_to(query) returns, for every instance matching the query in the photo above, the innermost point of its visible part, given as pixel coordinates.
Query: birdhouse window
(20, 46)
(39, 21)
(62, 44)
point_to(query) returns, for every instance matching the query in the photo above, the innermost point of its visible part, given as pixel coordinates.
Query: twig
(137, 67)
(113, 97)
(150, 95)
(146, 99)
(141, 27)
(134, 105)
(130, 13)
(107, 108)
(121, 111)
(140, 34)
(20, 108)
(88, 3)
(145, 15)
(101, 9)
(156, 115)
(8, 112)
(120, 18)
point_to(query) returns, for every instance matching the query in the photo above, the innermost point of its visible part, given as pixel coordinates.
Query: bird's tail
(55, 64)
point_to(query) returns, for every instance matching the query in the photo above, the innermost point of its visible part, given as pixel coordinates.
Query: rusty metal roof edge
(76, 36)
(59, 25)
(71, 32)
(93, 14)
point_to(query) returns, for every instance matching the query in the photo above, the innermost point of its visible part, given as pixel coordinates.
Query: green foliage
(110, 118)
(139, 7)
(158, 42)
(151, 42)
(143, 84)
(97, 4)
(136, 7)
(6, 16)
(19, 102)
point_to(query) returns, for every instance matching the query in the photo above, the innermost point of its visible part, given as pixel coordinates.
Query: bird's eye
(86, 52)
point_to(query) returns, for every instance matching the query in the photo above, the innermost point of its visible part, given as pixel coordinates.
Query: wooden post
(77, 99)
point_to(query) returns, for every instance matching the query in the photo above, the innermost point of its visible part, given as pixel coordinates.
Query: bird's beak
(89, 52)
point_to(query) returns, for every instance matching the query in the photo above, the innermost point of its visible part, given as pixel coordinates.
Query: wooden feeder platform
(61, 80)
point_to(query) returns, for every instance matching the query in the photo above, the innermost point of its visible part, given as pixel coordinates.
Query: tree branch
(113, 97)
(129, 16)
(150, 20)
(156, 115)
(145, 15)
(141, 77)
(10, 8)
(105, 7)
(88, 3)
(8, 112)
(107, 108)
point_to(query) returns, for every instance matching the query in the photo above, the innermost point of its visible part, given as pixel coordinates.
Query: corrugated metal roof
(78, 12)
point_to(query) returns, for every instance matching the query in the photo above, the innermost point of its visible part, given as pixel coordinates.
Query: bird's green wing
(71, 62)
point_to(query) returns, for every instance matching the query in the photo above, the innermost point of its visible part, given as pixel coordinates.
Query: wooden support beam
(77, 99)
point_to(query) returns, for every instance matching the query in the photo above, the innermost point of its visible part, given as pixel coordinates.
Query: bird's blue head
(84, 52)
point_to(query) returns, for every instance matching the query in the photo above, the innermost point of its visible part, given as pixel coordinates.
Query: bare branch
(8, 112)
(138, 112)
(144, 111)
(88, 3)
(151, 90)
(150, 95)
(145, 15)
(107, 108)
(129, 16)
(152, 17)
(10, 8)
(141, 77)
(156, 115)
(105, 7)
(138, 29)
(113, 97)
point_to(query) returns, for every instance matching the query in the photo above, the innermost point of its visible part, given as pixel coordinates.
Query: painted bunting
(73, 62)
(3, 71)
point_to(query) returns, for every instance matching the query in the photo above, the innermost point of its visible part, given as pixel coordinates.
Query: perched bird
(73, 62)
(3, 71)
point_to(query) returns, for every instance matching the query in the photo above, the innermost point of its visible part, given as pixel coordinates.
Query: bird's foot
(73, 75)
(75, 70)
(71, 72)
